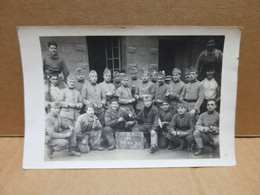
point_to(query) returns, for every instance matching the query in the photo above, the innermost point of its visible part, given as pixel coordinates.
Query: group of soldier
(82, 115)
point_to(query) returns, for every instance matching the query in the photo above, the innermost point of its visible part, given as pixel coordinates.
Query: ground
(128, 154)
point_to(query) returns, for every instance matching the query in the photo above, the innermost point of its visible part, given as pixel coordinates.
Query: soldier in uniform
(193, 93)
(181, 128)
(60, 134)
(165, 114)
(174, 89)
(148, 123)
(71, 101)
(93, 96)
(168, 79)
(54, 61)
(116, 79)
(207, 128)
(116, 119)
(106, 86)
(160, 89)
(80, 79)
(88, 130)
(134, 82)
(145, 88)
(125, 96)
(153, 74)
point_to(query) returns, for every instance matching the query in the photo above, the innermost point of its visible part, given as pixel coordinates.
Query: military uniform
(160, 91)
(173, 93)
(181, 123)
(88, 131)
(207, 119)
(147, 88)
(124, 94)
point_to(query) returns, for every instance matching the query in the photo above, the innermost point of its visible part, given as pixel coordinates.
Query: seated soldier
(165, 114)
(160, 89)
(116, 119)
(207, 128)
(59, 133)
(88, 131)
(181, 128)
(147, 120)
(125, 96)
(71, 101)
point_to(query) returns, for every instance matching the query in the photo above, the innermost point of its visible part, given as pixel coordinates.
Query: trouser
(151, 138)
(162, 137)
(101, 117)
(90, 140)
(205, 138)
(181, 140)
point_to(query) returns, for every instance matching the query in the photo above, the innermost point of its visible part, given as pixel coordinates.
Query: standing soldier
(145, 88)
(134, 82)
(93, 96)
(71, 101)
(80, 79)
(116, 119)
(88, 131)
(174, 90)
(59, 133)
(207, 128)
(106, 86)
(148, 123)
(165, 115)
(181, 128)
(153, 76)
(125, 96)
(160, 89)
(54, 61)
(116, 79)
(193, 93)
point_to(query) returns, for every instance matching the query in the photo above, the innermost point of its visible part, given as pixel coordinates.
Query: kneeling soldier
(116, 119)
(59, 133)
(181, 128)
(88, 130)
(207, 128)
(148, 123)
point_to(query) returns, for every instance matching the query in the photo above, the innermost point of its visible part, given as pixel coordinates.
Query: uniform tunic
(193, 94)
(88, 131)
(56, 128)
(124, 94)
(174, 90)
(144, 89)
(70, 96)
(206, 119)
(107, 87)
(79, 85)
(134, 85)
(160, 91)
(56, 64)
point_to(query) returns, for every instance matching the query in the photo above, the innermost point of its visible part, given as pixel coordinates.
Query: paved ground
(127, 154)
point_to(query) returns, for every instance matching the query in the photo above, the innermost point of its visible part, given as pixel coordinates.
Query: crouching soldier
(181, 128)
(165, 115)
(207, 128)
(88, 131)
(59, 133)
(148, 123)
(116, 119)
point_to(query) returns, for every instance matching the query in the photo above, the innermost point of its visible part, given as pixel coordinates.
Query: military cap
(160, 74)
(114, 99)
(79, 71)
(71, 77)
(193, 69)
(107, 71)
(176, 70)
(144, 71)
(168, 78)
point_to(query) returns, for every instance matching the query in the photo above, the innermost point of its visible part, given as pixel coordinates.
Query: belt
(191, 100)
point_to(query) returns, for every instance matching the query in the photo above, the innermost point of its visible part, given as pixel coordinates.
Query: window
(113, 54)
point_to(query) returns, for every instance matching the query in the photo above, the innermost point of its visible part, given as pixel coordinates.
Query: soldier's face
(181, 110)
(107, 77)
(93, 78)
(145, 77)
(55, 110)
(54, 80)
(211, 44)
(80, 76)
(176, 77)
(147, 103)
(125, 82)
(211, 106)
(165, 106)
(193, 76)
(53, 49)
(121, 75)
(210, 74)
(160, 80)
(114, 105)
(133, 75)
(71, 84)
(154, 76)
(90, 112)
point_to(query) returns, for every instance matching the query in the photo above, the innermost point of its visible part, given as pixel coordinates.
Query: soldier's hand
(72, 105)
(174, 133)
(120, 119)
(206, 129)
(69, 133)
(70, 127)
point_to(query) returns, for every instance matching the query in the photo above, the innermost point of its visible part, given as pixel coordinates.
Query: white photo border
(31, 56)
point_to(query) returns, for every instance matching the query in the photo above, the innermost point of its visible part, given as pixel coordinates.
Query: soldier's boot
(50, 152)
(153, 149)
(111, 147)
(73, 152)
(198, 152)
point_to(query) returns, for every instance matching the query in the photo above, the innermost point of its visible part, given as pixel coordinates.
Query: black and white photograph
(129, 97)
